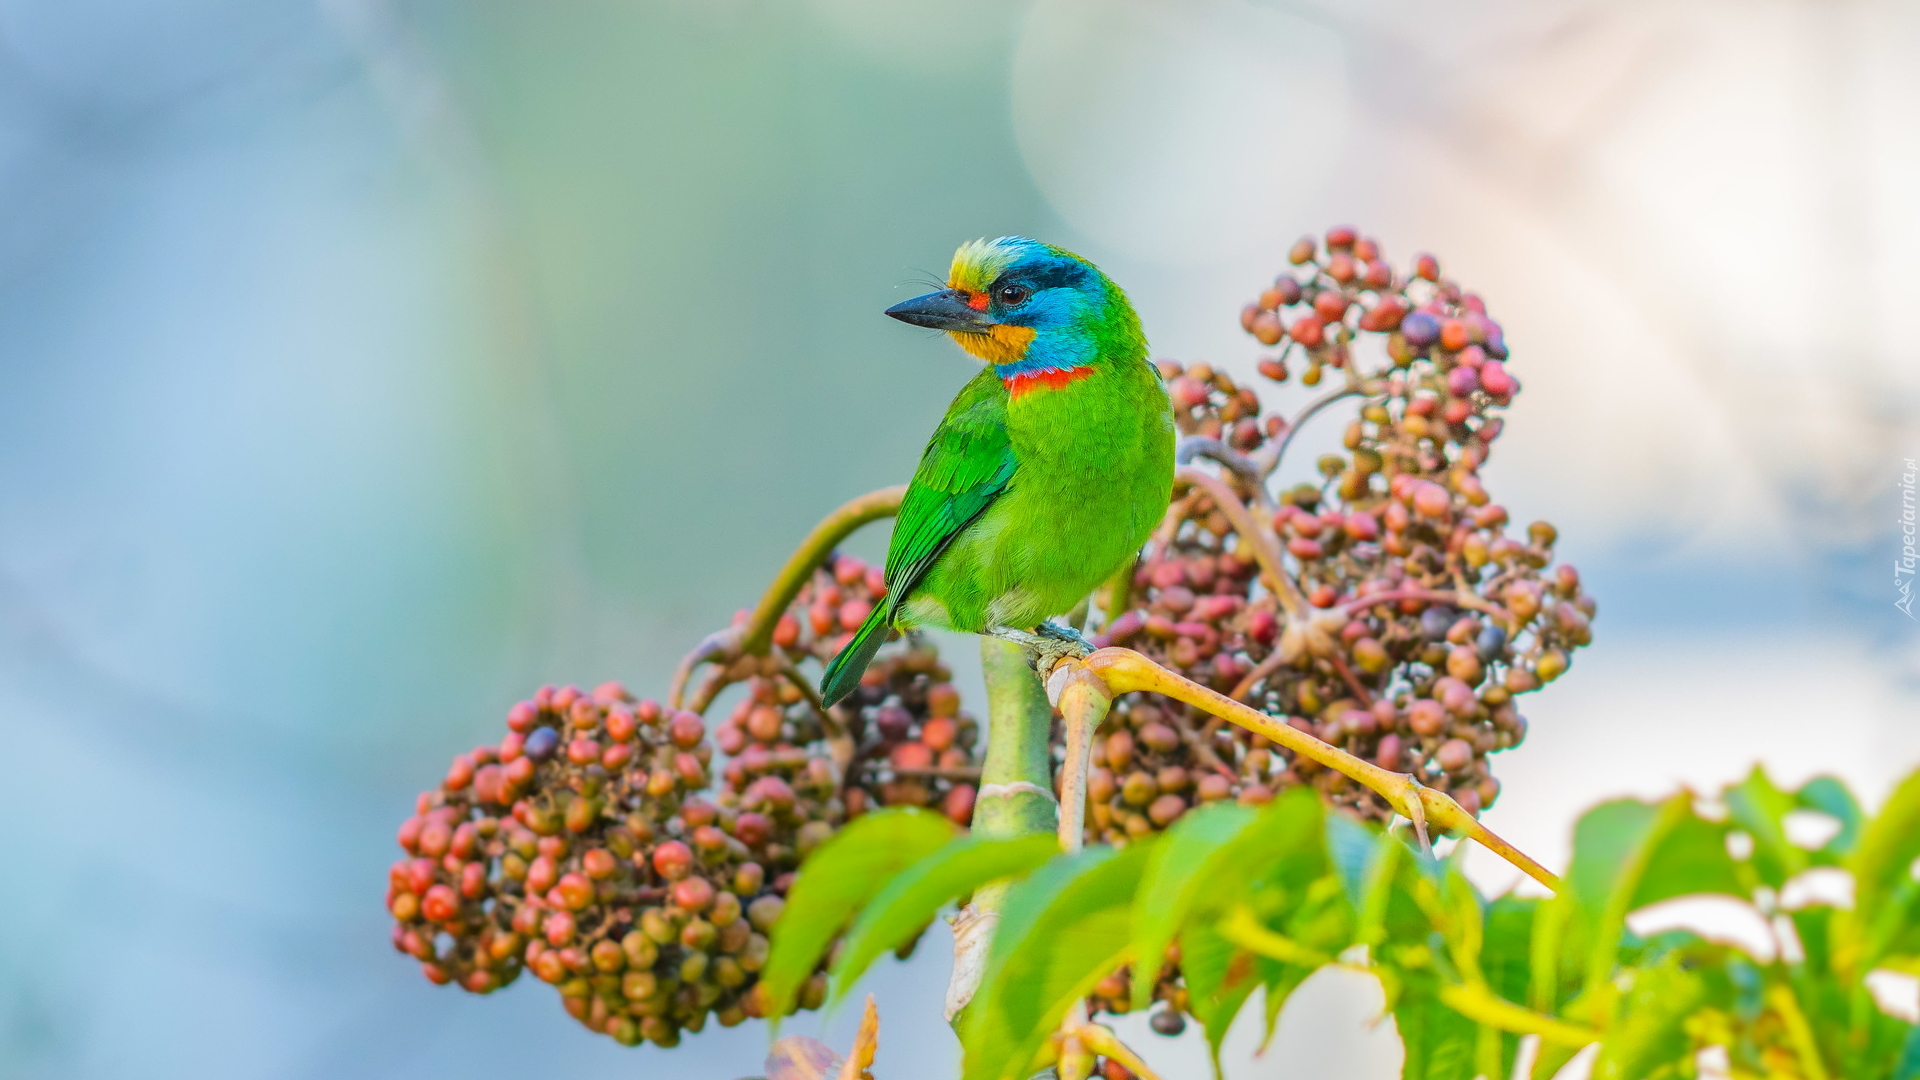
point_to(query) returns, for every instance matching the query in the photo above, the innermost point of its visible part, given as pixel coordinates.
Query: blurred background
(368, 363)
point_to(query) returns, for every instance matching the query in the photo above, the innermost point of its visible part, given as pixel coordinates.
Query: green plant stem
(1015, 799)
(1479, 1004)
(1017, 776)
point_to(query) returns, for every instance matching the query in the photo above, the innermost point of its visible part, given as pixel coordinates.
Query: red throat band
(1049, 378)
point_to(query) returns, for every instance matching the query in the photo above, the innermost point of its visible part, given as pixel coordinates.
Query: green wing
(967, 464)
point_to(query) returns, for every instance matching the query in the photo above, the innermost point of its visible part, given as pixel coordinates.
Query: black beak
(945, 310)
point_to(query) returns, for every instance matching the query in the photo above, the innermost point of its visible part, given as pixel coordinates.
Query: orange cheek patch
(977, 301)
(1001, 345)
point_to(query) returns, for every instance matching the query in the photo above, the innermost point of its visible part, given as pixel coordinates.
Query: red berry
(583, 751)
(599, 863)
(1388, 755)
(473, 880)
(1309, 331)
(1329, 305)
(1426, 718)
(943, 700)
(1431, 500)
(853, 613)
(435, 839)
(764, 723)
(440, 904)
(693, 894)
(1454, 755)
(912, 755)
(687, 730)
(575, 891)
(939, 733)
(673, 860)
(958, 805)
(753, 829)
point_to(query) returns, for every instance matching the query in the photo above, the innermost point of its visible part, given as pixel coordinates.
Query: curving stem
(1083, 701)
(1124, 671)
(755, 636)
(1265, 551)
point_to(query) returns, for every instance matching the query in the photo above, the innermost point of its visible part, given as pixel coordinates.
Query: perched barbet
(1051, 468)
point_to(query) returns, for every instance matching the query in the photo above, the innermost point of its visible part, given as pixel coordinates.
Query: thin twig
(1352, 388)
(1193, 446)
(1265, 551)
(1125, 671)
(1435, 596)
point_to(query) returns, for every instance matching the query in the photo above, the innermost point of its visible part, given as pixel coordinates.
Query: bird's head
(1018, 302)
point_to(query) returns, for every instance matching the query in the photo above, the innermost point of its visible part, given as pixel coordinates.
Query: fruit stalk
(1124, 671)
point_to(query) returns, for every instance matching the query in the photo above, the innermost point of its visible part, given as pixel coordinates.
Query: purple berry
(1420, 329)
(542, 744)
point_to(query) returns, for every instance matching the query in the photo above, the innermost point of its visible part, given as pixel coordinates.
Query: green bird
(1050, 469)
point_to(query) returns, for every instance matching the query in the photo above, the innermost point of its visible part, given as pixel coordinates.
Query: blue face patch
(1061, 292)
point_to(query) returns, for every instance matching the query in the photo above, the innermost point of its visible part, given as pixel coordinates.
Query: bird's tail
(843, 674)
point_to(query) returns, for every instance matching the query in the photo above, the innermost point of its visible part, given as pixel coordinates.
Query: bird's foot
(1047, 645)
(1059, 632)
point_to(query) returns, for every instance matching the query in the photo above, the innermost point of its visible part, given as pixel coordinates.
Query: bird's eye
(1014, 295)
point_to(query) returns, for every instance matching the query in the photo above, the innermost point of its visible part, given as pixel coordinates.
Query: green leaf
(1760, 808)
(833, 884)
(915, 895)
(1883, 862)
(1685, 858)
(1649, 1028)
(1604, 840)
(1356, 852)
(1439, 1042)
(1220, 977)
(1621, 841)
(1504, 954)
(1061, 929)
(1182, 865)
(1909, 1066)
(1831, 797)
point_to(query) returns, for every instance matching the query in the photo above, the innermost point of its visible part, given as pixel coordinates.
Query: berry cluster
(1408, 619)
(903, 738)
(578, 848)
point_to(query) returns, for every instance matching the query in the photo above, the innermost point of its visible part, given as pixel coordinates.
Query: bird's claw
(1054, 643)
(1046, 645)
(1058, 632)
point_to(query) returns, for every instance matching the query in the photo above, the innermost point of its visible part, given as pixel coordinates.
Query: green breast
(1093, 474)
